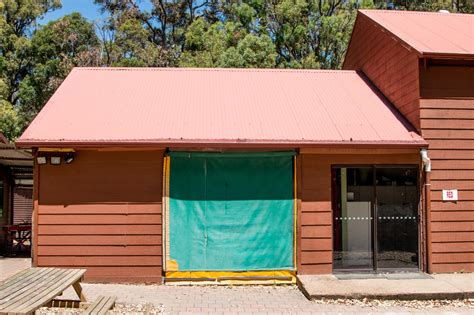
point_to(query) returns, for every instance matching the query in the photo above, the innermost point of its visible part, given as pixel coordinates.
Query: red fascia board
(447, 56)
(224, 144)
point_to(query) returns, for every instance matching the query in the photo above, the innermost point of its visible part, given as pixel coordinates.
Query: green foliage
(226, 45)
(35, 59)
(9, 122)
(16, 22)
(462, 6)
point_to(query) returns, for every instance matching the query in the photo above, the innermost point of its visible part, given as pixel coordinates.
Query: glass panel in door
(397, 217)
(354, 192)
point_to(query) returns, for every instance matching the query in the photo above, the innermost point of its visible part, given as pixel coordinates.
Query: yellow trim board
(56, 150)
(233, 277)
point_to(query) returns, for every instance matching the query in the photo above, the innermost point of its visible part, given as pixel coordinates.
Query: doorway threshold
(384, 275)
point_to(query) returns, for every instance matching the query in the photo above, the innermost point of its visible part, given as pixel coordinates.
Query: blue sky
(86, 7)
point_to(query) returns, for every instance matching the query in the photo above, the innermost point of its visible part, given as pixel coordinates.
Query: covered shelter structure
(238, 175)
(16, 199)
(423, 63)
(222, 175)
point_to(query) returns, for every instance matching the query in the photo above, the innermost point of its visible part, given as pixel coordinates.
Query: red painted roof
(117, 106)
(429, 33)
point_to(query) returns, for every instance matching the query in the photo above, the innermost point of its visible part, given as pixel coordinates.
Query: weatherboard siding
(103, 213)
(449, 81)
(315, 229)
(390, 66)
(447, 124)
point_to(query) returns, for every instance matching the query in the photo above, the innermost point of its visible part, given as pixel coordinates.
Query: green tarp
(231, 211)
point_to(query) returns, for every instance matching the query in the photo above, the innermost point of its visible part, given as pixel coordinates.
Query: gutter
(456, 56)
(222, 144)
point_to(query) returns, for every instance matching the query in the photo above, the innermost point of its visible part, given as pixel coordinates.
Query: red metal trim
(223, 143)
(440, 55)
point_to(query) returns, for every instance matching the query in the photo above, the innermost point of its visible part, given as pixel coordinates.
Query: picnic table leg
(77, 287)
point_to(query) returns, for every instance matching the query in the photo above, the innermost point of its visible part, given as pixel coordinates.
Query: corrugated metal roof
(9, 155)
(429, 32)
(216, 106)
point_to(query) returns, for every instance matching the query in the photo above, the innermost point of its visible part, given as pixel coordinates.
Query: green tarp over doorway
(231, 211)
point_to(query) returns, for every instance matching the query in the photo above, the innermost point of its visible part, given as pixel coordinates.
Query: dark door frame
(334, 193)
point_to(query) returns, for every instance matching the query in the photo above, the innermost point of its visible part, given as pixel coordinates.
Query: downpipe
(427, 189)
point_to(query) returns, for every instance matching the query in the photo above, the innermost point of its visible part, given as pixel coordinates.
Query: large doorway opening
(375, 218)
(230, 215)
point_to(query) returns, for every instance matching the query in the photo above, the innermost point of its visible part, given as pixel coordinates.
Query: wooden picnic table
(32, 288)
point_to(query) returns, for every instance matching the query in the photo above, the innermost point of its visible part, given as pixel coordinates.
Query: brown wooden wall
(315, 231)
(392, 67)
(102, 212)
(448, 126)
(448, 81)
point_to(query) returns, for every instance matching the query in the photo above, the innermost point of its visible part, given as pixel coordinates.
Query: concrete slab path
(404, 286)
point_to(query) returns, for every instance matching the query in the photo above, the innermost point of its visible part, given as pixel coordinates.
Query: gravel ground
(415, 304)
(138, 309)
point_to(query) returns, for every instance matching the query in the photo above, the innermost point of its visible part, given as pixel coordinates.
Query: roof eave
(223, 144)
(441, 55)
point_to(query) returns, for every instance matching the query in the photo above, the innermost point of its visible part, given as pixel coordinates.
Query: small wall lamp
(68, 158)
(41, 160)
(55, 160)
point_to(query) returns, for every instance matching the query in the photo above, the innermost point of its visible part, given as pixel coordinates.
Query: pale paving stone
(11, 266)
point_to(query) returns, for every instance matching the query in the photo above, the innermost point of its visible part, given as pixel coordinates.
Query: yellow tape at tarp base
(235, 277)
(172, 265)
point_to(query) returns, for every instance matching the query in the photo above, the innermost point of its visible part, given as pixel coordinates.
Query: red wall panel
(103, 213)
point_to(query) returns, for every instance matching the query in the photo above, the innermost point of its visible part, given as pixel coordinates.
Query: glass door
(397, 218)
(353, 217)
(375, 218)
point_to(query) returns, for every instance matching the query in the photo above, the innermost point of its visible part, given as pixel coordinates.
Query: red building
(424, 64)
(239, 175)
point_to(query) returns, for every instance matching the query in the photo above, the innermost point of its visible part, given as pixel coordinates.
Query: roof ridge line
(214, 69)
(416, 12)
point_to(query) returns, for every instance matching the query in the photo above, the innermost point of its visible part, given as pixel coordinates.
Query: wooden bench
(32, 288)
(101, 305)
